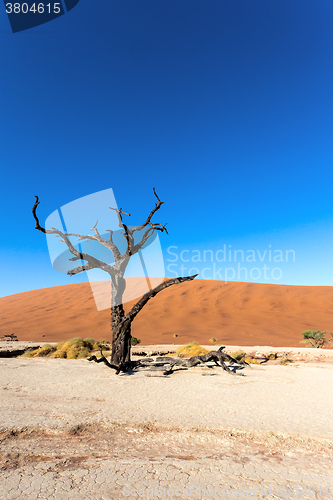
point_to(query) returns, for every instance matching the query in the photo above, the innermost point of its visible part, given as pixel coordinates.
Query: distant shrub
(135, 341)
(212, 339)
(239, 355)
(316, 338)
(175, 335)
(76, 348)
(191, 349)
(286, 361)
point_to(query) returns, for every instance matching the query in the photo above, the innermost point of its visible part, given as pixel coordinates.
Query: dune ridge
(233, 313)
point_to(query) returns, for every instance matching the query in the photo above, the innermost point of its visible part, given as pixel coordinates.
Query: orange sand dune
(233, 313)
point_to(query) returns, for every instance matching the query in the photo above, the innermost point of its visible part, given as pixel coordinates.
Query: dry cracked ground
(100, 459)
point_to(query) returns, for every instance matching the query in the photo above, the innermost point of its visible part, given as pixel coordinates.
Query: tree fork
(121, 323)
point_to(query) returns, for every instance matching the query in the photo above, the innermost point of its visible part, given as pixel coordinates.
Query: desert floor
(70, 429)
(73, 429)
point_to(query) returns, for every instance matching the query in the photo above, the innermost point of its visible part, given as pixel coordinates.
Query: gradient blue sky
(225, 106)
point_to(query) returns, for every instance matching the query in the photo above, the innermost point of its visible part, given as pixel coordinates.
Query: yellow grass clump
(76, 348)
(239, 355)
(191, 349)
(251, 361)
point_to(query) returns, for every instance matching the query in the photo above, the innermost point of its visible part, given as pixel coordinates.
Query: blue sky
(224, 106)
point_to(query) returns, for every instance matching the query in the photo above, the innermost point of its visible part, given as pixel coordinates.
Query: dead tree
(120, 322)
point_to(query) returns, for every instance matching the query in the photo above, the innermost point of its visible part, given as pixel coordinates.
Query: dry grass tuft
(76, 348)
(191, 349)
(251, 361)
(286, 361)
(239, 355)
(242, 356)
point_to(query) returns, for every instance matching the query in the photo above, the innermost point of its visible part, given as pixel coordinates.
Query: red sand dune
(233, 313)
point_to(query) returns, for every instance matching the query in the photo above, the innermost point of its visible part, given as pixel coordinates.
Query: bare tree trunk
(121, 343)
(121, 323)
(121, 330)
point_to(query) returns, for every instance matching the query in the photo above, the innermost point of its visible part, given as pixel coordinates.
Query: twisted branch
(127, 234)
(93, 263)
(157, 226)
(151, 293)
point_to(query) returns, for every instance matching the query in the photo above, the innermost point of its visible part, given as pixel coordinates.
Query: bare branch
(93, 263)
(97, 237)
(145, 238)
(149, 295)
(148, 233)
(130, 240)
(114, 249)
(127, 234)
(157, 207)
(94, 228)
(38, 226)
(80, 269)
(163, 228)
(119, 210)
(103, 359)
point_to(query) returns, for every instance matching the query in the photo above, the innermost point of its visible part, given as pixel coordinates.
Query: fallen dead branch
(218, 357)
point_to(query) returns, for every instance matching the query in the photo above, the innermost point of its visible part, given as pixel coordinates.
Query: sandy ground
(233, 313)
(53, 393)
(73, 429)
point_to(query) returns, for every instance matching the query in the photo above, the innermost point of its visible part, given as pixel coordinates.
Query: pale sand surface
(73, 429)
(233, 313)
(51, 393)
